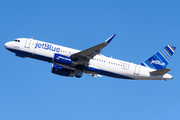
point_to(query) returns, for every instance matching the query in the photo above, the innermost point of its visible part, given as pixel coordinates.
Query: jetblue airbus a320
(71, 62)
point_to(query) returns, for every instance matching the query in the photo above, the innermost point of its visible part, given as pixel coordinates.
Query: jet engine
(62, 71)
(61, 59)
(78, 73)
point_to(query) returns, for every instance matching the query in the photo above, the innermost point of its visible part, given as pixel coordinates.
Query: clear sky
(28, 89)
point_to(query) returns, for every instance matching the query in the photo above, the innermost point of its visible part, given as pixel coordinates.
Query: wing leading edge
(85, 55)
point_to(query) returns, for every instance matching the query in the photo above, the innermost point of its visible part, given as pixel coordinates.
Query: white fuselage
(100, 64)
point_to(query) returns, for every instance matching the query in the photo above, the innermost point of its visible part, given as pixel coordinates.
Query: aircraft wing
(89, 53)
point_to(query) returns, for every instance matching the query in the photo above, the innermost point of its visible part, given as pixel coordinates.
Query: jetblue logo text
(63, 58)
(157, 62)
(47, 46)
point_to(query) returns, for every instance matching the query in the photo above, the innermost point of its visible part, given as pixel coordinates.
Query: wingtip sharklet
(109, 39)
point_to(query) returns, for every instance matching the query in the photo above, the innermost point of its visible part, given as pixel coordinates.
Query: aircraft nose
(7, 45)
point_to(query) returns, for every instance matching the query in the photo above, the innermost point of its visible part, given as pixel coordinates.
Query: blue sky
(28, 89)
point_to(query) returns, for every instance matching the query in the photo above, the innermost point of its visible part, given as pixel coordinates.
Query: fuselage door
(137, 69)
(27, 43)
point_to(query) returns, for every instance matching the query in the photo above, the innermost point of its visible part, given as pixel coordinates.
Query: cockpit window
(17, 40)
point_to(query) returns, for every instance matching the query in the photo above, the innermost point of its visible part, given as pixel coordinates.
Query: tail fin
(161, 59)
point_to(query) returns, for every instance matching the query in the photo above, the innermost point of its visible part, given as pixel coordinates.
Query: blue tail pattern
(161, 59)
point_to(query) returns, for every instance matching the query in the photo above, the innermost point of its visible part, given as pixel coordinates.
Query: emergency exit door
(27, 43)
(137, 69)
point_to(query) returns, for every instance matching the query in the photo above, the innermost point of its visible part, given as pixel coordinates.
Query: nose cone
(7, 45)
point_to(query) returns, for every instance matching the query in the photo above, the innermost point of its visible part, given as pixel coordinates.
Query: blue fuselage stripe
(48, 59)
(35, 56)
(105, 73)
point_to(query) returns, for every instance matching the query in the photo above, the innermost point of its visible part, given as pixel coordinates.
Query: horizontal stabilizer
(161, 71)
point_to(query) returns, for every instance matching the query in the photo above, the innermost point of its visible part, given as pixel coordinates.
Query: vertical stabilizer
(161, 59)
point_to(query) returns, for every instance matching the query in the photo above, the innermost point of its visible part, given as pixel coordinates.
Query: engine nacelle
(62, 71)
(20, 55)
(78, 73)
(61, 59)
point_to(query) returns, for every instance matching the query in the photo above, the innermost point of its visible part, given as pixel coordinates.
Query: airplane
(72, 62)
